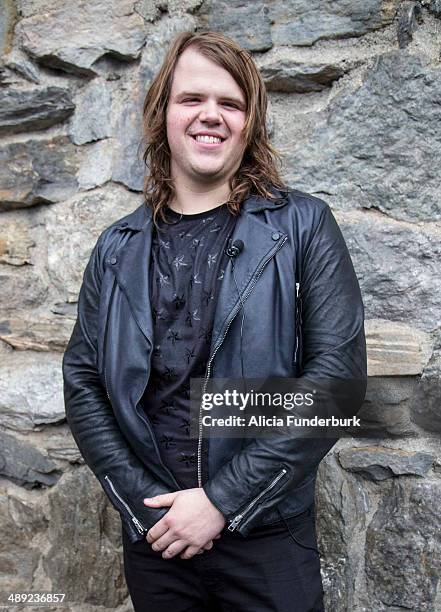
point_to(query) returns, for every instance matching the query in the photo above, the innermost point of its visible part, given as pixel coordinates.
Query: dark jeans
(275, 569)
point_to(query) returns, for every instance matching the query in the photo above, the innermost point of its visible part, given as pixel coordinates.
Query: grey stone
(409, 16)
(303, 22)
(403, 540)
(22, 110)
(284, 74)
(85, 561)
(15, 240)
(37, 172)
(379, 463)
(386, 410)
(387, 127)
(62, 36)
(155, 49)
(31, 392)
(20, 520)
(396, 349)
(180, 7)
(61, 446)
(20, 289)
(29, 330)
(397, 265)
(233, 18)
(19, 62)
(8, 17)
(148, 9)
(426, 401)
(24, 464)
(127, 165)
(74, 227)
(91, 120)
(342, 505)
(434, 6)
(96, 165)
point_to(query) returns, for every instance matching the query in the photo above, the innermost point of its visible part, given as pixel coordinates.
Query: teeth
(208, 139)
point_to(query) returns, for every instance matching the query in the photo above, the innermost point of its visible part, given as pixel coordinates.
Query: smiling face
(206, 115)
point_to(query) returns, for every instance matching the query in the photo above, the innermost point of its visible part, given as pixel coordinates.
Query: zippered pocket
(139, 526)
(298, 349)
(237, 519)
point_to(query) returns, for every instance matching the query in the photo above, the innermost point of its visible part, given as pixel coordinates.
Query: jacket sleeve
(334, 349)
(125, 480)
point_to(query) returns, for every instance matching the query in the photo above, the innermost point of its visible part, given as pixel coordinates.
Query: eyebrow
(184, 94)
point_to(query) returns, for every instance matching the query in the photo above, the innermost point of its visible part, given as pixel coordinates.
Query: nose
(210, 112)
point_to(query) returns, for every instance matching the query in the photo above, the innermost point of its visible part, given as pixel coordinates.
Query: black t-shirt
(187, 267)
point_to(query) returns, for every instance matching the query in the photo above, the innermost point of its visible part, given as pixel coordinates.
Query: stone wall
(355, 90)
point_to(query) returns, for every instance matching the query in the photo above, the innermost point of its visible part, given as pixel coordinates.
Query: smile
(208, 141)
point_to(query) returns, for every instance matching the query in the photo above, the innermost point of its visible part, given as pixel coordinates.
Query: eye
(231, 104)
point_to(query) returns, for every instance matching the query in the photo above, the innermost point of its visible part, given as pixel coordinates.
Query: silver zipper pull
(138, 525)
(235, 522)
(297, 289)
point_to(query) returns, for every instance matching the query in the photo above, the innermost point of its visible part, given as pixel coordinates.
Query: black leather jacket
(289, 244)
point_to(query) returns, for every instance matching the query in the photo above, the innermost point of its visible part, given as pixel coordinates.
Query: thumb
(166, 499)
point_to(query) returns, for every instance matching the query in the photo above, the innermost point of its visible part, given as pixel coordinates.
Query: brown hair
(258, 170)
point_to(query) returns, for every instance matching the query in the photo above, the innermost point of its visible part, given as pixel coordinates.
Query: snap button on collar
(275, 235)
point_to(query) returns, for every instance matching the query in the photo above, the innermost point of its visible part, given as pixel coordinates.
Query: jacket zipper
(141, 529)
(207, 374)
(237, 519)
(152, 435)
(297, 322)
(105, 340)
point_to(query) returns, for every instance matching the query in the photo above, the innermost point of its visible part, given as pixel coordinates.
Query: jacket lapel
(132, 271)
(132, 265)
(260, 240)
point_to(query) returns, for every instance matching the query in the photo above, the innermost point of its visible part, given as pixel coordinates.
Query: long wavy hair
(259, 168)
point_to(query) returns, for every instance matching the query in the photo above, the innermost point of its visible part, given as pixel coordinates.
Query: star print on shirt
(189, 354)
(178, 261)
(192, 316)
(162, 279)
(167, 441)
(196, 242)
(208, 296)
(188, 458)
(185, 424)
(169, 374)
(194, 280)
(179, 301)
(205, 334)
(173, 336)
(158, 314)
(211, 259)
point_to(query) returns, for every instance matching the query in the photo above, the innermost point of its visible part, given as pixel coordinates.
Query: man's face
(205, 102)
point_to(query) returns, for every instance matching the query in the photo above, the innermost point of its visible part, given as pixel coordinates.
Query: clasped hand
(189, 526)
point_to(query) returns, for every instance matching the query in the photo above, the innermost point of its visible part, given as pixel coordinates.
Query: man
(225, 523)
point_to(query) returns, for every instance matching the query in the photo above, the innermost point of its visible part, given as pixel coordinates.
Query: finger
(199, 552)
(160, 500)
(208, 545)
(189, 552)
(174, 549)
(164, 541)
(217, 537)
(157, 531)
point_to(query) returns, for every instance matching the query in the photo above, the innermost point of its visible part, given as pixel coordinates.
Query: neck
(192, 199)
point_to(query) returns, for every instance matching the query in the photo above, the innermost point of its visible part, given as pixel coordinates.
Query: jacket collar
(143, 215)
